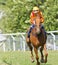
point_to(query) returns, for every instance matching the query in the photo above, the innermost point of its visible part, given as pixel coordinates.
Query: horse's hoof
(42, 61)
(32, 61)
(45, 61)
(38, 63)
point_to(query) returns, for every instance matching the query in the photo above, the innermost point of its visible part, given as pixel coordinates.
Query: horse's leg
(31, 49)
(46, 53)
(37, 57)
(42, 56)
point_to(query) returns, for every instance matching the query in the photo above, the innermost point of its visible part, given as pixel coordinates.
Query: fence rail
(16, 41)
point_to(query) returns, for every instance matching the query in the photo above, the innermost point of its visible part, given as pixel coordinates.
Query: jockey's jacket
(33, 16)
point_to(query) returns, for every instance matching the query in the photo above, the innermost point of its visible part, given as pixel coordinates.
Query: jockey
(36, 12)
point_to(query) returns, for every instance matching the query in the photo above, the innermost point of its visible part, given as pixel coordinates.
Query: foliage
(17, 14)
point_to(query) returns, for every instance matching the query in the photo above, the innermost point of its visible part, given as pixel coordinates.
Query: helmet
(35, 8)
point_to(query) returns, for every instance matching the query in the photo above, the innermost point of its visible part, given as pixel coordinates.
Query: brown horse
(37, 39)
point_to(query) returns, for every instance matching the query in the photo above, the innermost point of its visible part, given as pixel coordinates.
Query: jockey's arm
(32, 19)
(42, 18)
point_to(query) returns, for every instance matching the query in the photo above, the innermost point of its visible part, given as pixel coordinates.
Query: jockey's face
(36, 11)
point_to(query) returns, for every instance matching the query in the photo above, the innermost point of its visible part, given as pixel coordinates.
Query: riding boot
(42, 27)
(32, 26)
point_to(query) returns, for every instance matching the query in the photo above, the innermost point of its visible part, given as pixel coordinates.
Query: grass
(23, 58)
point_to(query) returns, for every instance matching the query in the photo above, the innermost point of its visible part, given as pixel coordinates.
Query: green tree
(18, 14)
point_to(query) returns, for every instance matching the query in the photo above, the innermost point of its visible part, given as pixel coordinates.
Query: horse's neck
(37, 19)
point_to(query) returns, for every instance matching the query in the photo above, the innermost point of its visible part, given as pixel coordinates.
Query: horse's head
(37, 25)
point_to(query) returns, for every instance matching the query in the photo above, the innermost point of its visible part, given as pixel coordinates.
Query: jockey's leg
(32, 26)
(42, 27)
(28, 35)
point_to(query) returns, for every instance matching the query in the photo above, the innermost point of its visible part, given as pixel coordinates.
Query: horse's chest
(37, 41)
(34, 40)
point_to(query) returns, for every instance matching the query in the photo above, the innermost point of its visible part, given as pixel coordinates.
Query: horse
(37, 40)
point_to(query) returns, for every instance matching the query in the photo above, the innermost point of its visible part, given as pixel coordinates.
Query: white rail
(23, 39)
